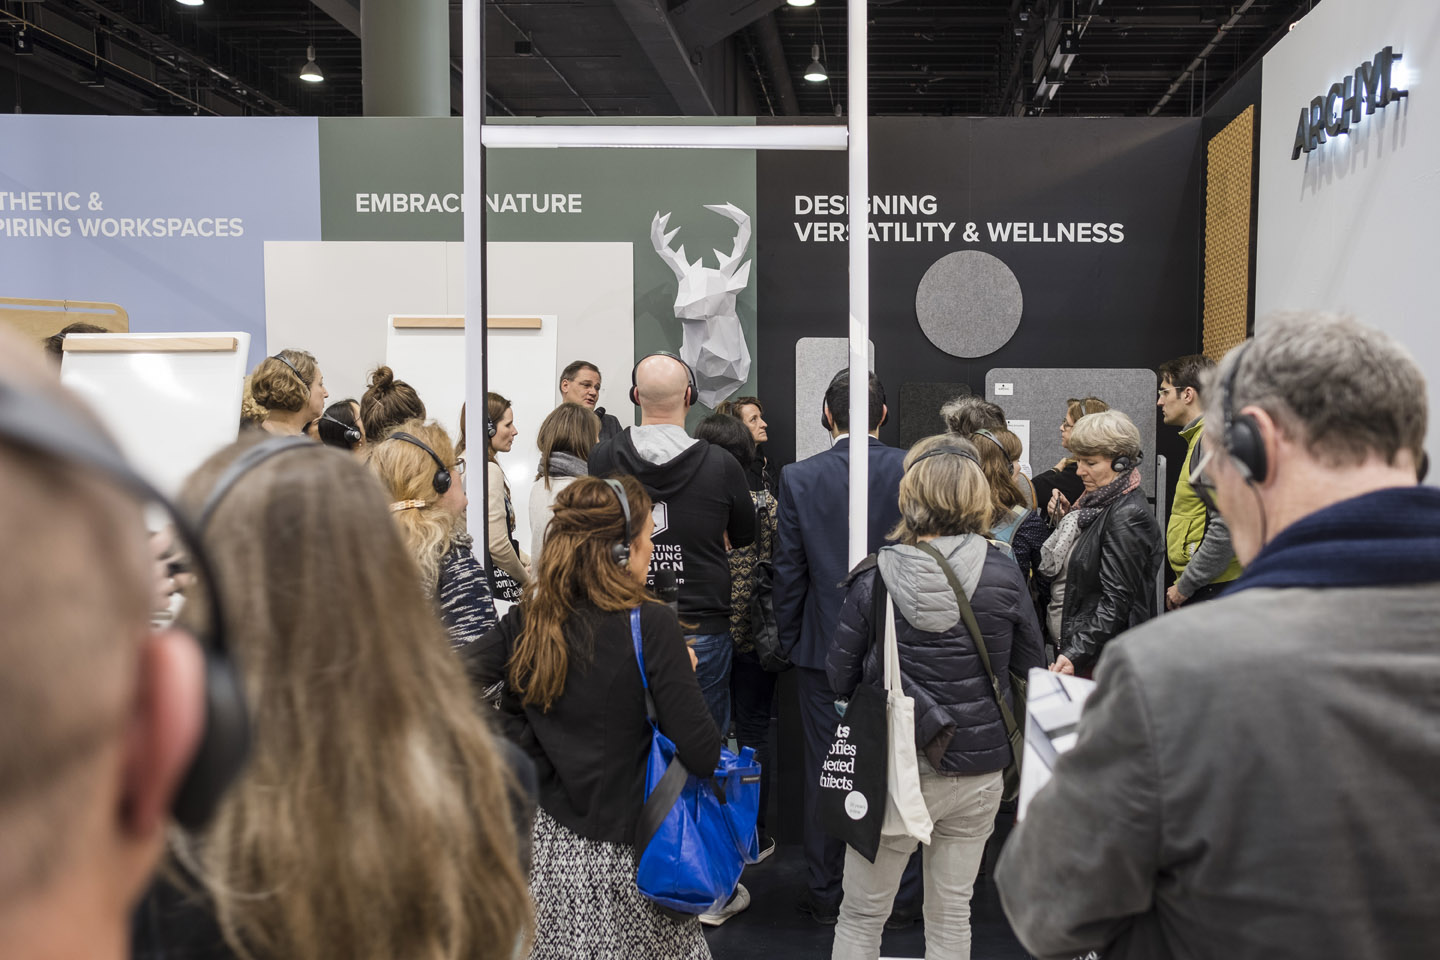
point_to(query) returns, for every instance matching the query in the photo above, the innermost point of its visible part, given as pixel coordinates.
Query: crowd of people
(447, 736)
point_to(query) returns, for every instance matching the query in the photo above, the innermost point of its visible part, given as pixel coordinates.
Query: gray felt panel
(969, 303)
(817, 360)
(1039, 396)
(920, 405)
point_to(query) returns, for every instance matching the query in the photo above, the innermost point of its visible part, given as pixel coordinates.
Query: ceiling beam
(668, 54)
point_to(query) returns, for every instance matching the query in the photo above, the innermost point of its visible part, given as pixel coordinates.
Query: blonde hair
(999, 472)
(252, 414)
(408, 474)
(942, 496)
(1106, 434)
(276, 386)
(373, 821)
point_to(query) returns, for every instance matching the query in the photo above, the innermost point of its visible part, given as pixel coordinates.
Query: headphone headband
(621, 550)
(34, 423)
(991, 437)
(292, 368)
(243, 464)
(944, 452)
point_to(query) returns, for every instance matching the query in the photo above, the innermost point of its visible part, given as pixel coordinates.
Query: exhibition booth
(1026, 260)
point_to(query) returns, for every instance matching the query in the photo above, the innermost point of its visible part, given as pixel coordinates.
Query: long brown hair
(386, 402)
(373, 820)
(408, 475)
(569, 428)
(1005, 493)
(576, 566)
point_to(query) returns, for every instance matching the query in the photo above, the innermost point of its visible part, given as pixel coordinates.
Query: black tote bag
(850, 803)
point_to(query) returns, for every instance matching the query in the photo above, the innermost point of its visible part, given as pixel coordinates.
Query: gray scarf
(567, 465)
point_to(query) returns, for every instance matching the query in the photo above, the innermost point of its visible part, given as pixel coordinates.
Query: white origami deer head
(713, 344)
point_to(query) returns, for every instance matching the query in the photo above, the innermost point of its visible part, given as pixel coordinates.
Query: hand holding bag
(905, 811)
(1014, 731)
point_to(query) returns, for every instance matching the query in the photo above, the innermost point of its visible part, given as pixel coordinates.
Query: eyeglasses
(460, 466)
(1164, 392)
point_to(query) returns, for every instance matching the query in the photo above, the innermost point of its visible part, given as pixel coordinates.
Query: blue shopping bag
(694, 835)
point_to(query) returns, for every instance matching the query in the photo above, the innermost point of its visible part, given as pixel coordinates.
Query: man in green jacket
(1196, 540)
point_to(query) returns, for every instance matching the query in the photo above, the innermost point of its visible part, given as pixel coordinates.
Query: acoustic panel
(920, 405)
(1040, 396)
(817, 360)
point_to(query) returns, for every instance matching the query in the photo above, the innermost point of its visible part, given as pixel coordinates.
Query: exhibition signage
(1332, 113)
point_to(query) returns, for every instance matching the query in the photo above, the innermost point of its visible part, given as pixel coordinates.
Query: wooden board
(39, 319)
(77, 344)
(458, 323)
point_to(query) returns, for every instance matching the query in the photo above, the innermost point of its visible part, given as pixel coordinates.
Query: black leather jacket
(1110, 580)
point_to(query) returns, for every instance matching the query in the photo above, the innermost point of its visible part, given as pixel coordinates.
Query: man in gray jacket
(1259, 777)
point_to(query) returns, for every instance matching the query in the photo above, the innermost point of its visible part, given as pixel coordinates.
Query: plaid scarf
(1056, 550)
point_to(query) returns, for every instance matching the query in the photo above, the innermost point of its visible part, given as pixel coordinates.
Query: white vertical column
(858, 76)
(473, 92)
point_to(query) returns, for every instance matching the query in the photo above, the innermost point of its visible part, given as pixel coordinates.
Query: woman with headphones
(1105, 553)
(1062, 476)
(419, 469)
(290, 389)
(510, 566)
(564, 659)
(943, 577)
(373, 820)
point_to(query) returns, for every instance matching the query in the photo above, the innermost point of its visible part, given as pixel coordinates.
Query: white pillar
(858, 70)
(405, 57)
(473, 92)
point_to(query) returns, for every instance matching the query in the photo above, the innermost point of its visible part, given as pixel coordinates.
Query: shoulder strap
(968, 615)
(640, 659)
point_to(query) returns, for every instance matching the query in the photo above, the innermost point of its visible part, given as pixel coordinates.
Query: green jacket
(1196, 562)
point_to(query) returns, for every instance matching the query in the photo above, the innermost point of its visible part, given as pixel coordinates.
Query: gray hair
(1344, 390)
(967, 414)
(1108, 433)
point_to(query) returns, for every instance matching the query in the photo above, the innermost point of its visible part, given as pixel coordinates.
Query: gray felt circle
(969, 303)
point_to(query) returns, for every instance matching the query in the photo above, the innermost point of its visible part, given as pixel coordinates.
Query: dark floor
(773, 928)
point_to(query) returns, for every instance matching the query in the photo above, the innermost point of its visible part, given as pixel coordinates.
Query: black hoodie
(700, 495)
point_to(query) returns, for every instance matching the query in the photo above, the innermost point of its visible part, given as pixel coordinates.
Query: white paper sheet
(1052, 709)
(1021, 429)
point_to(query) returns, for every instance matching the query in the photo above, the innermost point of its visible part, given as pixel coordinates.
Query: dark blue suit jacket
(813, 540)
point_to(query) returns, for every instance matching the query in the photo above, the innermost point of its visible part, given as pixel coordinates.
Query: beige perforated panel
(1229, 174)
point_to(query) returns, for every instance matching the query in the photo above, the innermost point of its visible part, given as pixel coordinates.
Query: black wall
(1129, 304)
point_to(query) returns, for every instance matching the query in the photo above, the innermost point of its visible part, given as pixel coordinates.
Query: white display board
(169, 409)
(432, 360)
(1350, 226)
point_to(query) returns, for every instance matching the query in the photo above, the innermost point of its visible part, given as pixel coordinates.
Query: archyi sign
(1332, 113)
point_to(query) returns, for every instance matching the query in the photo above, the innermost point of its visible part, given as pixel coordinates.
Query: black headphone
(1123, 462)
(1242, 432)
(691, 391)
(621, 551)
(946, 452)
(292, 368)
(991, 437)
(828, 421)
(490, 428)
(34, 423)
(352, 435)
(441, 480)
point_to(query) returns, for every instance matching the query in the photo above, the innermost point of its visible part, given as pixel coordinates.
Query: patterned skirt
(587, 904)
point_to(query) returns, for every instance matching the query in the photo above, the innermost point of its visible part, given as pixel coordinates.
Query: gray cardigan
(1257, 777)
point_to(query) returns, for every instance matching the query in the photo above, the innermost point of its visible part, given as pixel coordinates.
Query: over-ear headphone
(621, 551)
(490, 428)
(35, 423)
(691, 391)
(946, 452)
(1242, 432)
(828, 421)
(1123, 462)
(352, 435)
(441, 480)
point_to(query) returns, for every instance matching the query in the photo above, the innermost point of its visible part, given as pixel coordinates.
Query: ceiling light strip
(709, 137)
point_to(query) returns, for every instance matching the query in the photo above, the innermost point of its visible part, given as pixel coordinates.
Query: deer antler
(742, 235)
(660, 240)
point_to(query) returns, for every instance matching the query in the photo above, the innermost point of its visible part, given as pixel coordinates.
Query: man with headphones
(702, 507)
(1256, 777)
(101, 716)
(1197, 541)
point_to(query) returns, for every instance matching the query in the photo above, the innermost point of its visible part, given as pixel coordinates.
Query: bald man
(701, 497)
(99, 714)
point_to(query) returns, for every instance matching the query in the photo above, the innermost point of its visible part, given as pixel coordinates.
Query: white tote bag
(905, 810)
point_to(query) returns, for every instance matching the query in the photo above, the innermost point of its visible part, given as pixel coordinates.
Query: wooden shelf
(113, 344)
(458, 323)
